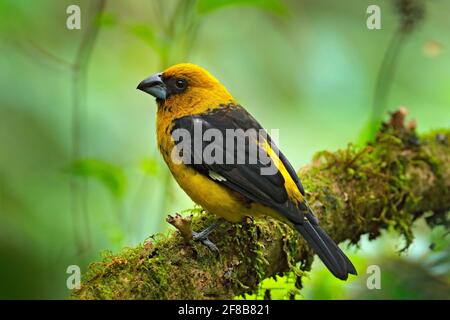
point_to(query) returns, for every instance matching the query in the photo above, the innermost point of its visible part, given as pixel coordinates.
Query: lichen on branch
(355, 191)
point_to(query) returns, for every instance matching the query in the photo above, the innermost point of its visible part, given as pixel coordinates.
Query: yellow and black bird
(188, 96)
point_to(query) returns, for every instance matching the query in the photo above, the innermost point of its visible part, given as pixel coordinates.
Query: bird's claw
(203, 237)
(198, 236)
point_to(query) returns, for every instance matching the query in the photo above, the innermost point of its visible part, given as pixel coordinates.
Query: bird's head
(186, 88)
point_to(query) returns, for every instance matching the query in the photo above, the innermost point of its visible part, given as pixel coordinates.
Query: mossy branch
(388, 183)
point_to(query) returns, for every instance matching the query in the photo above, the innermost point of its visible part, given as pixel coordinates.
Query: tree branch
(389, 183)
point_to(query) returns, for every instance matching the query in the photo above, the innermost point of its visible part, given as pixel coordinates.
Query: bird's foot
(183, 224)
(203, 237)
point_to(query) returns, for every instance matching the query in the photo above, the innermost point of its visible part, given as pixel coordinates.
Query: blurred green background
(79, 168)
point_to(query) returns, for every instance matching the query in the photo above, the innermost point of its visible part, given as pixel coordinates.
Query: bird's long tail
(332, 256)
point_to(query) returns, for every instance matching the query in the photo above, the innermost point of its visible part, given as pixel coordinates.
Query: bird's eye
(180, 84)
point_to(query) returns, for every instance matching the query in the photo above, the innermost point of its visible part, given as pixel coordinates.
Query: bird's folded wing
(245, 178)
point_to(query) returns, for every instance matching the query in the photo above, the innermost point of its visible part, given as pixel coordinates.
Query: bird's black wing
(245, 178)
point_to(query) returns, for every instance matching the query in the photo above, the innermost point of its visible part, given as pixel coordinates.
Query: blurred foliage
(418, 274)
(111, 176)
(149, 167)
(409, 15)
(275, 6)
(308, 67)
(107, 19)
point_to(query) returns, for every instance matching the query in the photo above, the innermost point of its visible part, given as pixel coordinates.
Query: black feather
(328, 251)
(348, 264)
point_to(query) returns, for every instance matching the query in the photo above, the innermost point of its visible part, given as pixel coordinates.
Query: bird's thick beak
(154, 85)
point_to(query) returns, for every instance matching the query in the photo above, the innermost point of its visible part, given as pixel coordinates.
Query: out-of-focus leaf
(111, 176)
(275, 6)
(149, 166)
(145, 33)
(107, 19)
